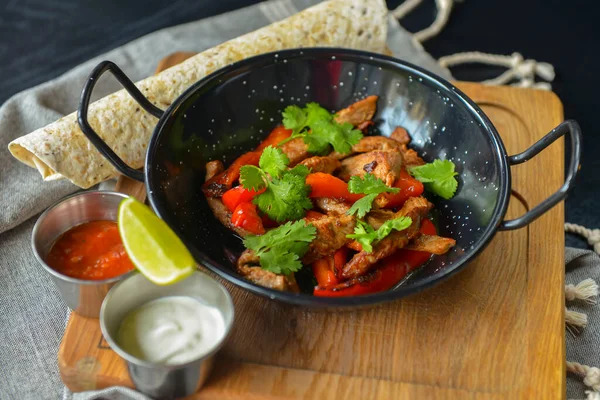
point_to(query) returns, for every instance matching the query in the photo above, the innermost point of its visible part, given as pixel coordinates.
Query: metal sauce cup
(157, 380)
(82, 296)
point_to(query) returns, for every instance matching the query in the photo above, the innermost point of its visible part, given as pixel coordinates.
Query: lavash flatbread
(60, 150)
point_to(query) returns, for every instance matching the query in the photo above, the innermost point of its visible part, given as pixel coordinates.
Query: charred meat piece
(332, 206)
(385, 165)
(219, 209)
(358, 112)
(400, 135)
(321, 164)
(416, 208)
(431, 244)
(296, 150)
(249, 267)
(428, 243)
(377, 217)
(411, 158)
(370, 143)
(331, 235)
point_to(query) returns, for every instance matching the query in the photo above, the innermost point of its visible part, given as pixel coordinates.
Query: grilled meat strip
(358, 112)
(370, 143)
(249, 267)
(332, 206)
(219, 209)
(400, 135)
(331, 235)
(431, 244)
(321, 164)
(296, 150)
(411, 158)
(385, 165)
(416, 208)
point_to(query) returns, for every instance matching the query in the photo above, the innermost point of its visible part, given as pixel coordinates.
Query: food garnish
(280, 249)
(357, 220)
(285, 195)
(438, 177)
(155, 250)
(316, 126)
(369, 185)
(366, 235)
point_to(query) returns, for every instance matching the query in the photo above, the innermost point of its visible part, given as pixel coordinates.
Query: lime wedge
(152, 246)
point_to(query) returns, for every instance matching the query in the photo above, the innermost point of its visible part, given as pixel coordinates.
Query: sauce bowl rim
(170, 367)
(44, 215)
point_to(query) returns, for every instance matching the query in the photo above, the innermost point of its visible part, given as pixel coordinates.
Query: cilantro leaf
(341, 137)
(366, 235)
(369, 184)
(252, 177)
(285, 198)
(280, 249)
(286, 192)
(300, 170)
(362, 206)
(273, 161)
(319, 130)
(438, 177)
(314, 112)
(294, 118)
(372, 187)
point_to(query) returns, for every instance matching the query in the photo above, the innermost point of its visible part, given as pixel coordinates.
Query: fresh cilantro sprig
(319, 130)
(372, 187)
(280, 249)
(286, 192)
(273, 162)
(366, 235)
(438, 177)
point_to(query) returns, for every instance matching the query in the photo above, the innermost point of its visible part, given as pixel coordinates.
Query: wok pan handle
(88, 131)
(572, 128)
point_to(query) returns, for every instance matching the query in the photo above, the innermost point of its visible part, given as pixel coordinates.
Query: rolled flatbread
(60, 150)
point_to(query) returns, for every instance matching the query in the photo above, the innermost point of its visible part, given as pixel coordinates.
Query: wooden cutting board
(495, 330)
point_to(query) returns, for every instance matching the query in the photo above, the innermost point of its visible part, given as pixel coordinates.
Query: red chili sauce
(90, 251)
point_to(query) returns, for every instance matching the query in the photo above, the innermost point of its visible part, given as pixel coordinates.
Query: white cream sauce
(171, 330)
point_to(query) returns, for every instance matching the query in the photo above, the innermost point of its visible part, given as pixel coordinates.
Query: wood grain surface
(493, 331)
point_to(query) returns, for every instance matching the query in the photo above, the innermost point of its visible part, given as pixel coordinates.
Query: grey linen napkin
(32, 315)
(583, 348)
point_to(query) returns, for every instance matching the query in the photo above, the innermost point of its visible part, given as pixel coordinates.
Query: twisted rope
(519, 69)
(591, 235)
(444, 7)
(584, 290)
(405, 8)
(591, 375)
(523, 70)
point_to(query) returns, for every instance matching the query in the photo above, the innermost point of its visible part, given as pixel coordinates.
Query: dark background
(41, 39)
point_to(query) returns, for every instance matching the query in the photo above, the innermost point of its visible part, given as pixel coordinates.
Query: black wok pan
(229, 112)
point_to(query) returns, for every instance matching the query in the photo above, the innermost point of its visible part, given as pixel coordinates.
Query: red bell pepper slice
(326, 185)
(233, 197)
(392, 269)
(277, 135)
(245, 216)
(409, 187)
(328, 270)
(227, 178)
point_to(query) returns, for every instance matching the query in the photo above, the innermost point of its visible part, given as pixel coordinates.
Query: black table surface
(41, 39)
